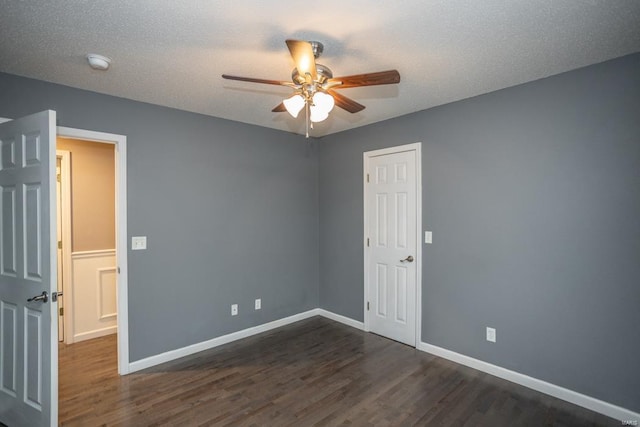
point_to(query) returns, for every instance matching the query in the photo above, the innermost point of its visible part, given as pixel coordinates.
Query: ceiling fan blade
(252, 80)
(367, 79)
(302, 54)
(346, 103)
(280, 108)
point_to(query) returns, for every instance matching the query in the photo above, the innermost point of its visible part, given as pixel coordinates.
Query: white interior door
(28, 329)
(391, 218)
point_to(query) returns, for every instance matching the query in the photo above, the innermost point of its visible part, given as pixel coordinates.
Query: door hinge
(58, 177)
(59, 244)
(367, 305)
(61, 311)
(367, 177)
(118, 270)
(367, 242)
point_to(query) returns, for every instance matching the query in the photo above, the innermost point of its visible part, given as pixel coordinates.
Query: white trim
(417, 147)
(562, 393)
(341, 319)
(53, 271)
(4, 120)
(97, 333)
(120, 142)
(93, 254)
(67, 274)
(365, 248)
(571, 396)
(215, 342)
(234, 336)
(419, 243)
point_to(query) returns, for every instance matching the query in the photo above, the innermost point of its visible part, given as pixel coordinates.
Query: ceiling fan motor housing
(323, 72)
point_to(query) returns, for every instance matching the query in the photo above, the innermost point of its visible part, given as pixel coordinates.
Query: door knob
(44, 297)
(407, 259)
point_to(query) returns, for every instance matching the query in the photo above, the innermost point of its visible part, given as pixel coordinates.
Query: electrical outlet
(234, 309)
(258, 304)
(491, 334)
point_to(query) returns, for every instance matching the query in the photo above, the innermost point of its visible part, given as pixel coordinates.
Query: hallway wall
(92, 194)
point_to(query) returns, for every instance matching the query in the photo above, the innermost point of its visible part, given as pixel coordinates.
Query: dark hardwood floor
(314, 372)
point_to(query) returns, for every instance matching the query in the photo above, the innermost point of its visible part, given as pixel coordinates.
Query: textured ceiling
(172, 53)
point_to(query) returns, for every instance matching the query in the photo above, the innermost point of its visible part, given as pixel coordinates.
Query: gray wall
(230, 212)
(533, 197)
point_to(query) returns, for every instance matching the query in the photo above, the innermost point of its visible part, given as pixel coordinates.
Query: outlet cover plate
(491, 334)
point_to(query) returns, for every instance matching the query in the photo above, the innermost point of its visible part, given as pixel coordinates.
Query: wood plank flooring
(313, 372)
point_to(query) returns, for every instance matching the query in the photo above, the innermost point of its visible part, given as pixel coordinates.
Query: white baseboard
(83, 336)
(215, 342)
(341, 319)
(571, 396)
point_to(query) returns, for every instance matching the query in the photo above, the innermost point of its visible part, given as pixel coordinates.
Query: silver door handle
(407, 259)
(44, 297)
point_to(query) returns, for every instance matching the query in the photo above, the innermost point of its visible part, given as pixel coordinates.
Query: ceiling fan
(314, 87)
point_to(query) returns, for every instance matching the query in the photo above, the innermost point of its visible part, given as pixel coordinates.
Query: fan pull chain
(306, 111)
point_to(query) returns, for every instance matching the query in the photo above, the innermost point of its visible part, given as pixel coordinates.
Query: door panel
(8, 348)
(28, 330)
(381, 287)
(8, 248)
(401, 294)
(391, 214)
(32, 232)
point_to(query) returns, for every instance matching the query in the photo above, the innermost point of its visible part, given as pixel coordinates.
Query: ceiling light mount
(98, 62)
(317, 48)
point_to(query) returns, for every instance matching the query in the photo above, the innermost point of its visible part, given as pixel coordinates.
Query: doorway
(117, 271)
(86, 239)
(63, 230)
(392, 244)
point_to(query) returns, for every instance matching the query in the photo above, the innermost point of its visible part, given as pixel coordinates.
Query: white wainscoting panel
(94, 294)
(106, 280)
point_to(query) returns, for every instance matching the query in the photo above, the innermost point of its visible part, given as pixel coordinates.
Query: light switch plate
(234, 309)
(258, 304)
(428, 237)
(138, 243)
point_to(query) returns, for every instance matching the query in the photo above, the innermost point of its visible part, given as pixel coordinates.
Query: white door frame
(417, 147)
(65, 208)
(120, 142)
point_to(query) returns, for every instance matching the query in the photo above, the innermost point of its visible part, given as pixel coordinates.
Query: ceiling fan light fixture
(323, 101)
(317, 114)
(294, 104)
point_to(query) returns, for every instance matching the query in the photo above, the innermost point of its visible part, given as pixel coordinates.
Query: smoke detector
(98, 62)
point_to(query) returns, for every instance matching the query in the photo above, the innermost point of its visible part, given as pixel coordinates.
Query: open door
(28, 308)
